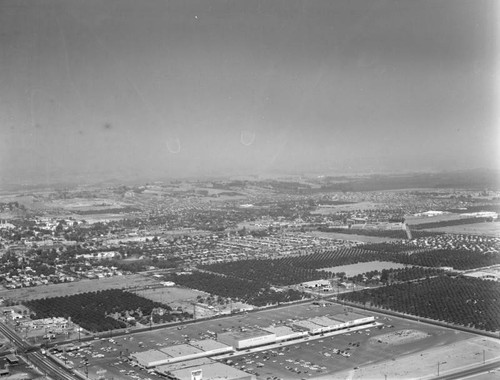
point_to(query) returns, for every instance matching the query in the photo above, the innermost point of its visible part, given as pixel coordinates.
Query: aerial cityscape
(249, 190)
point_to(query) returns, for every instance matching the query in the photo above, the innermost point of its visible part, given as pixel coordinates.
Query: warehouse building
(246, 339)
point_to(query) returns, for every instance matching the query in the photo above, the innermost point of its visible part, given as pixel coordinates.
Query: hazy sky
(105, 88)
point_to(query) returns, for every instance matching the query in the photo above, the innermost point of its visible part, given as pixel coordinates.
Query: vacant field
(69, 288)
(172, 296)
(355, 269)
(452, 357)
(352, 237)
(486, 229)
(415, 220)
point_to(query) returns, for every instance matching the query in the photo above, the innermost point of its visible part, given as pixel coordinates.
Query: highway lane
(470, 372)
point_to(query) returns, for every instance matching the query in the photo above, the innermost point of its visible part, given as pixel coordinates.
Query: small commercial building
(318, 284)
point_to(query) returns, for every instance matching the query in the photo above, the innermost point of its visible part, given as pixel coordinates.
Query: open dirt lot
(172, 296)
(69, 288)
(462, 354)
(355, 269)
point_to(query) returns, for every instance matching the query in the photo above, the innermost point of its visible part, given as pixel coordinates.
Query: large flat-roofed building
(208, 371)
(247, 339)
(284, 333)
(149, 358)
(179, 353)
(310, 327)
(353, 319)
(319, 325)
(330, 323)
(163, 369)
(211, 347)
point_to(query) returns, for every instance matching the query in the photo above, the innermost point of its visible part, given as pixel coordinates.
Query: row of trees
(266, 271)
(91, 310)
(455, 258)
(252, 292)
(463, 301)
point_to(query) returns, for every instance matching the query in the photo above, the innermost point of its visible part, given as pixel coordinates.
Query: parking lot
(314, 357)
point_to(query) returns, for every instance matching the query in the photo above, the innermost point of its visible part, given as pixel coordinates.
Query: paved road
(470, 372)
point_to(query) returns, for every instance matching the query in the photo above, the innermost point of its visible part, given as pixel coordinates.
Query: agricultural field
(299, 269)
(71, 288)
(252, 292)
(417, 220)
(483, 229)
(101, 311)
(450, 223)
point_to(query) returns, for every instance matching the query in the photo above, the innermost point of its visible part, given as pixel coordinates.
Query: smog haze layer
(121, 88)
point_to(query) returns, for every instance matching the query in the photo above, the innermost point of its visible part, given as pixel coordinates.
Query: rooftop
(279, 330)
(307, 324)
(208, 344)
(185, 364)
(349, 316)
(150, 356)
(240, 335)
(324, 321)
(180, 350)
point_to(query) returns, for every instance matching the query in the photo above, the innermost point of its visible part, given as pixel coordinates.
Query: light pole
(439, 363)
